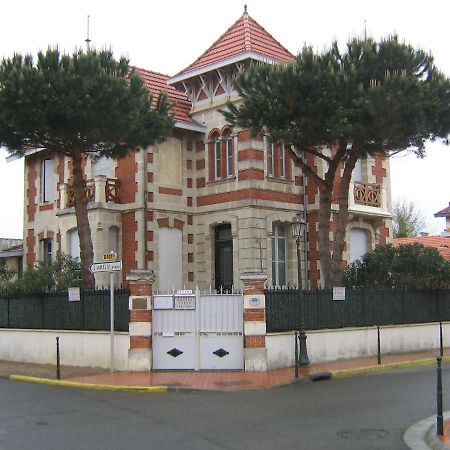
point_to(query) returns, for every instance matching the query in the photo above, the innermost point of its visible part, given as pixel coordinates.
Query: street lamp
(298, 228)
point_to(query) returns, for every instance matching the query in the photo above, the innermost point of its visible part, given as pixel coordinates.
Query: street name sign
(113, 266)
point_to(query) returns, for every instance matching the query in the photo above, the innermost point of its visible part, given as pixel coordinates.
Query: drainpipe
(305, 235)
(144, 208)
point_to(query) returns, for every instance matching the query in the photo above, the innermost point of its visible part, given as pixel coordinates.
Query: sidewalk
(208, 380)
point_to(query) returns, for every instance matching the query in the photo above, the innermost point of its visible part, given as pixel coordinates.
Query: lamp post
(298, 228)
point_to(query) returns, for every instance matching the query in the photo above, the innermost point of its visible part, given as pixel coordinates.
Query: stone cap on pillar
(254, 282)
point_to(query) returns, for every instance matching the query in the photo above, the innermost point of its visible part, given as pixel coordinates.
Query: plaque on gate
(184, 301)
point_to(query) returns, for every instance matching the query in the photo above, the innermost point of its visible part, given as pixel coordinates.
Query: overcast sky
(166, 36)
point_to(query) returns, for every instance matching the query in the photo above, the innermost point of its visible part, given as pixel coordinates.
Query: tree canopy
(407, 220)
(75, 105)
(408, 266)
(332, 108)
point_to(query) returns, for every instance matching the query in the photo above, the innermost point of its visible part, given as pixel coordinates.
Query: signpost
(109, 265)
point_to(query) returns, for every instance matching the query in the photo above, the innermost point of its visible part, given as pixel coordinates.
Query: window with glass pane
(270, 161)
(48, 181)
(229, 152)
(217, 157)
(282, 161)
(46, 250)
(279, 255)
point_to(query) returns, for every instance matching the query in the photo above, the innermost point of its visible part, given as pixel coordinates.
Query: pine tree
(76, 105)
(375, 98)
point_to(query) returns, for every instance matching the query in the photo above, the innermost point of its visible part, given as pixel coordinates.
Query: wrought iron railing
(367, 194)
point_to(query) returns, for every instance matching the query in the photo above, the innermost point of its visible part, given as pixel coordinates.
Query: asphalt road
(362, 412)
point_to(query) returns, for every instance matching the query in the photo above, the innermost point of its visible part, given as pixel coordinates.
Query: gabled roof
(442, 243)
(243, 40)
(444, 213)
(156, 83)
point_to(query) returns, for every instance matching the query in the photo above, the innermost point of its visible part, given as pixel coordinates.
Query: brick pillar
(140, 322)
(255, 351)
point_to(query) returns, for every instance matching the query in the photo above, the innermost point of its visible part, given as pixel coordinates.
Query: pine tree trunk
(342, 219)
(325, 196)
(83, 227)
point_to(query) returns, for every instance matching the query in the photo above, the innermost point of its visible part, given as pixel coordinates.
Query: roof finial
(245, 9)
(87, 40)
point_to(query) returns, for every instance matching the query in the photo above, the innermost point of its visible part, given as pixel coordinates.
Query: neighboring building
(212, 202)
(445, 213)
(442, 243)
(11, 255)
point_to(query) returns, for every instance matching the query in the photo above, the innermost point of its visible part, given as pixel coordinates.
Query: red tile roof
(443, 213)
(245, 35)
(156, 82)
(442, 243)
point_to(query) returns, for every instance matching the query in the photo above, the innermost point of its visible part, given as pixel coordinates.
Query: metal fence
(53, 311)
(360, 308)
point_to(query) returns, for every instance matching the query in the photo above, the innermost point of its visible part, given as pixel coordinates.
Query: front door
(223, 258)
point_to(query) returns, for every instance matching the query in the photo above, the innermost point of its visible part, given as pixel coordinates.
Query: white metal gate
(198, 331)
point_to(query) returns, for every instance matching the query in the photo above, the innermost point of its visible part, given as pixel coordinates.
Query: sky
(166, 36)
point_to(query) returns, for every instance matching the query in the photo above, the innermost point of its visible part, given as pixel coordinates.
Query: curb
(385, 367)
(98, 387)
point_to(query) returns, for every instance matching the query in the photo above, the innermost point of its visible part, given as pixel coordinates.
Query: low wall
(349, 343)
(77, 348)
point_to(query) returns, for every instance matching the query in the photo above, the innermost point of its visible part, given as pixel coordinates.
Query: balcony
(367, 194)
(98, 190)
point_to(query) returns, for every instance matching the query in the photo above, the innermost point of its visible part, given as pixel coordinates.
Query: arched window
(221, 155)
(229, 152)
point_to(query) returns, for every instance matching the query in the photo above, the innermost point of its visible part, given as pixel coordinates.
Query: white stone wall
(350, 343)
(77, 348)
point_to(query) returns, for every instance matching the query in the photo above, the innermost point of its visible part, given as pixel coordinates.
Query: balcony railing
(100, 189)
(367, 194)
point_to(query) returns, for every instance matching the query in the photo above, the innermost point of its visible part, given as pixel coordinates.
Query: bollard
(296, 354)
(58, 365)
(439, 415)
(378, 345)
(441, 340)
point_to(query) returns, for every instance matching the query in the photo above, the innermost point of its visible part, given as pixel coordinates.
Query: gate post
(140, 322)
(255, 351)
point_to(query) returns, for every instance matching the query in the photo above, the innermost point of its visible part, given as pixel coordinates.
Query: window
(359, 243)
(277, 163)
(101, 166)
(282, 161)
(279, 255)
(113, 239)
(170, 258)
(46, 250)
(74, 243)
(48, 181)
(270, 160)
(229, 152)
(221, 155)
(217, 157)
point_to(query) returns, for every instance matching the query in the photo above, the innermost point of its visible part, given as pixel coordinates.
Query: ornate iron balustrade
(111, 191)
(367, 194)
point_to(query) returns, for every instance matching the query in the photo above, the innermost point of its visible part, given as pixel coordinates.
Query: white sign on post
(113, 266)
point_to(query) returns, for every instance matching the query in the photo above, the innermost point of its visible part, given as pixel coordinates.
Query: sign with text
(74, 294)
(339, 293)
(184, 301)
(163, 302)
(110, 256)
(113, 266)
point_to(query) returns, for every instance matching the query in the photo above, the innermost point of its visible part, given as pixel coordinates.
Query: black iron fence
(360, 308)
(53, 311)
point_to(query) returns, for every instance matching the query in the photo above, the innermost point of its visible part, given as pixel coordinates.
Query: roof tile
(156, 83)
(442, 243)
(245, 35)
